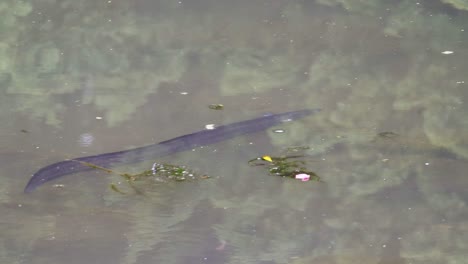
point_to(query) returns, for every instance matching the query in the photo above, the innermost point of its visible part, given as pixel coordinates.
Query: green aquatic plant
(216, 106)
(159, 173)
(290, 166)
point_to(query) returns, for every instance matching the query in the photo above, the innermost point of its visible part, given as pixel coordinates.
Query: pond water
(390, 145)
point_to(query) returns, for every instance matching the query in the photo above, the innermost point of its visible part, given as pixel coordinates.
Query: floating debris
(267, 158)
(286, 166)
(210, 126)
(159, 173)
(303, 177)
(216, 106)
(115, 189)
(388, 134)
(278, 131)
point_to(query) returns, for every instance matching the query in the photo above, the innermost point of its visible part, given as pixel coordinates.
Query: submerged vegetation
(289, 166)
(159, 173)
(286, 166)
(395, 66)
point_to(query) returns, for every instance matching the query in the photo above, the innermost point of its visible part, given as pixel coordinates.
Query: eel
(164, 148)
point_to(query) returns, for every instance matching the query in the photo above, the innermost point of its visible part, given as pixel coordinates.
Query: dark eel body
(178, 144)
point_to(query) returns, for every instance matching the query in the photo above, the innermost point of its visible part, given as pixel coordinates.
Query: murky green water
(81, 78)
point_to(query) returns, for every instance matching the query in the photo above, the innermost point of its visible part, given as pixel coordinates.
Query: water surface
(84, 77)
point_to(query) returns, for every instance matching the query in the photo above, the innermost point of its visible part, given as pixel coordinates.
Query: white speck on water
(210, 126)
(278, 131)
(447, 52)
(98, 117)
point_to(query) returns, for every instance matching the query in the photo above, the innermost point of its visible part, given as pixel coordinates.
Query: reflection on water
(86, 140)
(390, 146)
